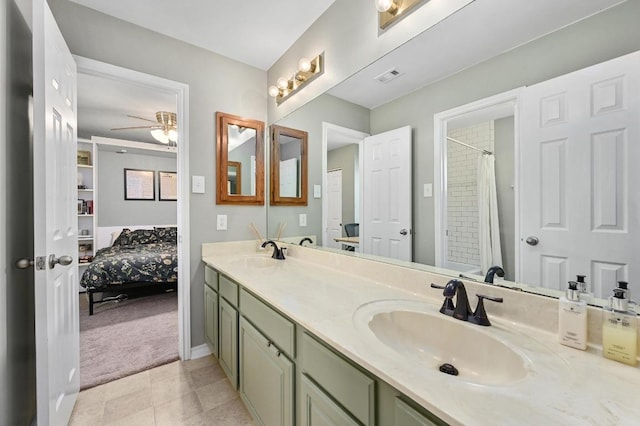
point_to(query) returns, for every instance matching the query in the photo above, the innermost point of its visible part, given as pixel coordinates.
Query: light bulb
(173, 135)
(390, 6)
(304, 65)
(160, 136)
(282, 83)
(273, 91)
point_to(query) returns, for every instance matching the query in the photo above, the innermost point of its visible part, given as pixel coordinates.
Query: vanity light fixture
(308, 70)
(390, 11)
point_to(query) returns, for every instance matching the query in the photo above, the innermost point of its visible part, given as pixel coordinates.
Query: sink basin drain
(449, 369)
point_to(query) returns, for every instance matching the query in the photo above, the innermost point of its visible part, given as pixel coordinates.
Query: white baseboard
(200, 351)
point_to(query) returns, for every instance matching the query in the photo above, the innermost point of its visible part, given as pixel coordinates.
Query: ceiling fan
(164, 129)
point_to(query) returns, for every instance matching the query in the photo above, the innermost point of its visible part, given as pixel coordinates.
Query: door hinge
(41, 263)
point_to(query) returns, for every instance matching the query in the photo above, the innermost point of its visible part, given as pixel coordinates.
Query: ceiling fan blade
(137, 127)
(142, 118)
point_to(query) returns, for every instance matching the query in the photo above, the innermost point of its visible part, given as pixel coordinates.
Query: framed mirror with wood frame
(240, 160)
(288, 167)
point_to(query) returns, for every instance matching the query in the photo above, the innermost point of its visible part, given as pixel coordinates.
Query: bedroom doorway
(167, 165)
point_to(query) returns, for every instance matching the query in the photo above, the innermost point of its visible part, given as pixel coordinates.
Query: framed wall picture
(168, 185)
(139, 184)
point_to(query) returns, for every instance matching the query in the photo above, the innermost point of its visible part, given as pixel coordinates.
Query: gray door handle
(532, 240)
(403, 232)
(24, 263)
(62, 260)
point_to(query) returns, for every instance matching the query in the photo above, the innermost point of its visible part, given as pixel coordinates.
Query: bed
(136, 260)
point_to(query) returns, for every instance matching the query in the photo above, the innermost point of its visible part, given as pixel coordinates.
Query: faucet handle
(480, 314)
(447, 306)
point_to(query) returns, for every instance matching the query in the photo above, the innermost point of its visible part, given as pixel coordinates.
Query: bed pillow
(135, 238)
(123, 238)
(167, 234)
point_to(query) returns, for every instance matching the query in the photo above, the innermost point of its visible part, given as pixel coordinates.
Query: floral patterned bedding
(119, 264)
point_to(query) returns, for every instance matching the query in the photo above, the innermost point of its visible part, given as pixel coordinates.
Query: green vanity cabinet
(318, 409)
(351, 389)
(228, 338)
(211, 318)
(266, 378)
(211, 308)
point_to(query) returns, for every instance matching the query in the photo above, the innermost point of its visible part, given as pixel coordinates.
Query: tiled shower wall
(462, 205)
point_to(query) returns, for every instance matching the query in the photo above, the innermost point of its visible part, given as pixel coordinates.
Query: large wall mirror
(364, 105)
(240, 160)
(288, 167)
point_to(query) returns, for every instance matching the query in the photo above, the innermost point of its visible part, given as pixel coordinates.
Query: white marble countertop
(563, 386)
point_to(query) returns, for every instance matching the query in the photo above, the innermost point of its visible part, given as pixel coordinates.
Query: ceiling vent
(389, 75)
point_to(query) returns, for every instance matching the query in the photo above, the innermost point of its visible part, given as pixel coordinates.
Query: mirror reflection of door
(290, 161)
(234, 179)
(241, 156)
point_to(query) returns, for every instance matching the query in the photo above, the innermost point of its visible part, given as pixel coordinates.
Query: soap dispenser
(619, 335)
(583, 293)
(572, 321)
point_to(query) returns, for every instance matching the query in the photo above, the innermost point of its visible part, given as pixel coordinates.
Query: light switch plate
(197, 184)
(303, 220)
(317, 191)
(221, 222)
(428, 190)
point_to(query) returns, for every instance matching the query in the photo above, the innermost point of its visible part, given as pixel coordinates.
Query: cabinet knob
(268, 344)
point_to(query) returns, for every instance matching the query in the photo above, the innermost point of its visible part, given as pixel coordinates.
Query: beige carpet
(127, 337)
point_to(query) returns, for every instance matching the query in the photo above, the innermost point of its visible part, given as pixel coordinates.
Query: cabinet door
(211, 318)
(407, 416)
(228, 340)
(266, 378)
(319, 410)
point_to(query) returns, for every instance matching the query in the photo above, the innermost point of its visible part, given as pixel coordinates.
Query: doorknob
(24, 263)
(403, 232)
(62, 260)
(532, 240)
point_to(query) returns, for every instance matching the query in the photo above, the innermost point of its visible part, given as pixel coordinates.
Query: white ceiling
(481, 30)
(104, 104)
(255, 32)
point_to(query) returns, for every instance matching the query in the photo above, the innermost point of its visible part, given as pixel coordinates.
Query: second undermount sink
(417, 331)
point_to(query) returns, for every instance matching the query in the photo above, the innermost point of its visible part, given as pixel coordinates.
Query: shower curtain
(488, 223)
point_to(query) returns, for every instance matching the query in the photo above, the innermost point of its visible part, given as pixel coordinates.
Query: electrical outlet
(302, 219)
(221, 222)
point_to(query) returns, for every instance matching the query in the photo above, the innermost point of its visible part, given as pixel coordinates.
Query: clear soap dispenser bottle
(619, 335)
(583, 292)
(572, 320)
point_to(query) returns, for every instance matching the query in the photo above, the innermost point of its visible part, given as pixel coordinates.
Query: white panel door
(386, 226)
(289, 178)
(56, 222)
(579, 161)
(334, 201)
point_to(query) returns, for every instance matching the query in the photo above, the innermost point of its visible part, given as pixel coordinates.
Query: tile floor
(193, 392)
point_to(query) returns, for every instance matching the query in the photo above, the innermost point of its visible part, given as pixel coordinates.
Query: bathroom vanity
(305, 342)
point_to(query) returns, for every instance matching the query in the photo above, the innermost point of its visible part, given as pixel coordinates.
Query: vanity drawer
(228, 290)
(277, 328)
(351, 388)
(211, 277)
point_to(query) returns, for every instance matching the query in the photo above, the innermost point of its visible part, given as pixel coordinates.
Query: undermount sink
(419, 332)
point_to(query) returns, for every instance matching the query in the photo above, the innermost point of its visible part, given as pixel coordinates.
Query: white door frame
(355, 134)
(181, 90)
(440, 121)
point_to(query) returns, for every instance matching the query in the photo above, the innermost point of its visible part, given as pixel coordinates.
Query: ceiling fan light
(160, 136)
(173, 135)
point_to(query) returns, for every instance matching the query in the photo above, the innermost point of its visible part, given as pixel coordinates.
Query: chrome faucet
(461, 310)
(494, 270)
(278, 253)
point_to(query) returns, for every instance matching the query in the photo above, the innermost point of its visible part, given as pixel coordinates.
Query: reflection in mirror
(240, 160)
(288, 167)
(553, 55)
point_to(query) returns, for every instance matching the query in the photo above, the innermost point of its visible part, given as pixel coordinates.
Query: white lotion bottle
(572, 321)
